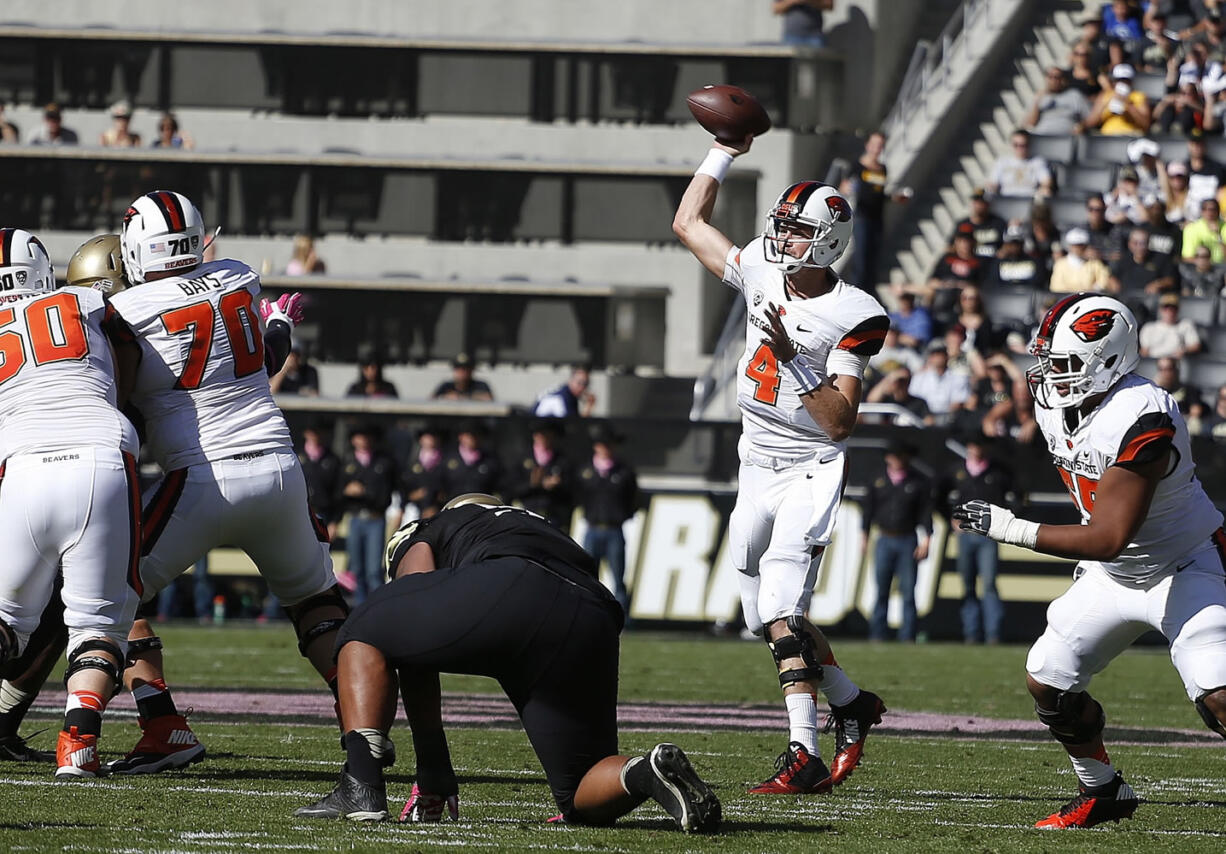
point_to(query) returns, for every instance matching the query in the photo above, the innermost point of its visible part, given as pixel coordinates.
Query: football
(729, 112)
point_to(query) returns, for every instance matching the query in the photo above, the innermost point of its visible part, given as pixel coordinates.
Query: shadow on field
(45, 825)
(1192, 802)
(740, 826)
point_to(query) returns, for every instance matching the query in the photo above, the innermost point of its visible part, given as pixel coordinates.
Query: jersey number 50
(56, 331)
(242, 327)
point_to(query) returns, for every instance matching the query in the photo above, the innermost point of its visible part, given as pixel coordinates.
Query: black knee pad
(1207, 715)
(79, 659)
(307, 634)
(798, 643)
(1066, 720)
(136, 647)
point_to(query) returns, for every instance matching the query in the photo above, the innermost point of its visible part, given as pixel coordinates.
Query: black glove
(975, 516)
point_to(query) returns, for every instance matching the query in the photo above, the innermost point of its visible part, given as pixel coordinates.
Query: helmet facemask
(782, 232)
(1065, 380)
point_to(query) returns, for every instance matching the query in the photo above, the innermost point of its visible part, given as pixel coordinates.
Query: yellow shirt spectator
(1208, 231)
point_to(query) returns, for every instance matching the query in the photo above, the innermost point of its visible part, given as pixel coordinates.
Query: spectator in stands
(1169, 334)
(1020, 174)
(53, 131)
(1122, 21)
(367, 478)
(1183, 109)
(986, 227)
(958, 268)
(1162, 237)
(1156, 47)
(895, 388)
(1201, 278)
(1057, 109)
(1083, 73)
(296, 376)
(471, 467)
(981, 334)
(425, 478)
(866, 189)
(978, 477)
(1179, 204)
(1094, 41)
(1214, 424)
(1140, 271)
(998, 406)
(802, 20)
(1121, 110)
(1043, 239)
(119, 134)
(322, 470)
(1212, 34)
(942, 389)
(912, 322)
(964, 359)
(1144, 154)
(1013, 268)
(1207, 231)
(1215, 104)
(893, 355)
(1077, 271)
(303, 258)
(543, 479)
(462, 385)
(1105, 237)
(1166, 377)
(1123, 202)
(573, 398)
(899, 503)
(8, 130)
(607, 488)
(169, 135)
(370, 382)
(1204, 173)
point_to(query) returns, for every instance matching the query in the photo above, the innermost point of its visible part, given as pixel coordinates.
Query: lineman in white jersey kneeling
(808, 338)
(1150, 548)
(70, 499)
(231, 475)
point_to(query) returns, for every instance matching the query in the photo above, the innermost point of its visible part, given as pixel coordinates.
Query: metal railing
(722, 369)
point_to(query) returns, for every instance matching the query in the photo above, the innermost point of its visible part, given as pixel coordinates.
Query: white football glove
(998, 523)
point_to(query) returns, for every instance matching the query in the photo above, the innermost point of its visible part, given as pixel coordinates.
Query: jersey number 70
(242, 327)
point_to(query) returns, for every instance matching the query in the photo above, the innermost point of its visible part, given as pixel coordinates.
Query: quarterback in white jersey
(808, 339)
(1150, 546)
(231, 475)
(70, 498)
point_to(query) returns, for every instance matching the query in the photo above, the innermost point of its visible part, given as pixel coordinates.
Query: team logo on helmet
(1093, 325)
(129, 214)
(839, 208)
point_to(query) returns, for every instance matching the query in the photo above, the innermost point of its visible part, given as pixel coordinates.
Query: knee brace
(1207, 714)
(330, 598)
(1066, 721)
(79, 660)
(797, 644)
(136, 647)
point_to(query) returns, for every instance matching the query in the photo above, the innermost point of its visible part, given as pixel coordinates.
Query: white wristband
(715, 164)
(806, 378)
(1019, 532)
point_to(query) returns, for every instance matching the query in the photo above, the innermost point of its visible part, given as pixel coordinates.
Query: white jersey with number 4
(57, 377)
(1136, 422)
(834, 333)
(202, 386)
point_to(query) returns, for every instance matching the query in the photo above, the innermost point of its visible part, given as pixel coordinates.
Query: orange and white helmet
(24, 263)
(1085, 345)
(162, 232)
(807, 206)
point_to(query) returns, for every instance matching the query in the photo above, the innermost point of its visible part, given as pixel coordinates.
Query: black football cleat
(851, 724)
(1094, 805)
(351, 799)
(13, 748)
(679, 789)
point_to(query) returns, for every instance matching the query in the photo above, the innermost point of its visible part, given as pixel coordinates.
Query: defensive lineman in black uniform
(492, 590)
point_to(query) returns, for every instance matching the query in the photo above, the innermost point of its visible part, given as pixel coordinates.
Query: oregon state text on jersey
(202, 386)
(834, 333)
(57, 379)
(1136, 422)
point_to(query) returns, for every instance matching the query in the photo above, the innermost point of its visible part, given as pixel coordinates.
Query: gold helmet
(98, 264)
(472, 498)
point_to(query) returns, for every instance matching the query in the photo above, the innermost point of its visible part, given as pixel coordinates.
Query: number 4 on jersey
(242, 327)
(763, 369)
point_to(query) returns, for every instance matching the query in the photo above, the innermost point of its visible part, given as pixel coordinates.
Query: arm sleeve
(733, 277)
(277, 343)
(1149, 439)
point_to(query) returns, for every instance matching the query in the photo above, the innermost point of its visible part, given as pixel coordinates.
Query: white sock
(802, 720)
(1092, 772)
(11, 696)
(837, 686)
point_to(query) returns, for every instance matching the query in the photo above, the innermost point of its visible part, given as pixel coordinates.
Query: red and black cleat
(1094, 805)
(799, 773)
(851, 724)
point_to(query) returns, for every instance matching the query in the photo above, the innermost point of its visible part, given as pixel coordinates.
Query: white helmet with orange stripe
(1085, 345)
(162, 233)
(24, 263)
(808, 215)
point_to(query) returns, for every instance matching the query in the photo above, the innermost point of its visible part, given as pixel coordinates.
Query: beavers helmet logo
(1094, 325)
(839, 208)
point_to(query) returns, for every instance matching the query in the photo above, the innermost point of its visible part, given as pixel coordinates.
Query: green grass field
(916, 791)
